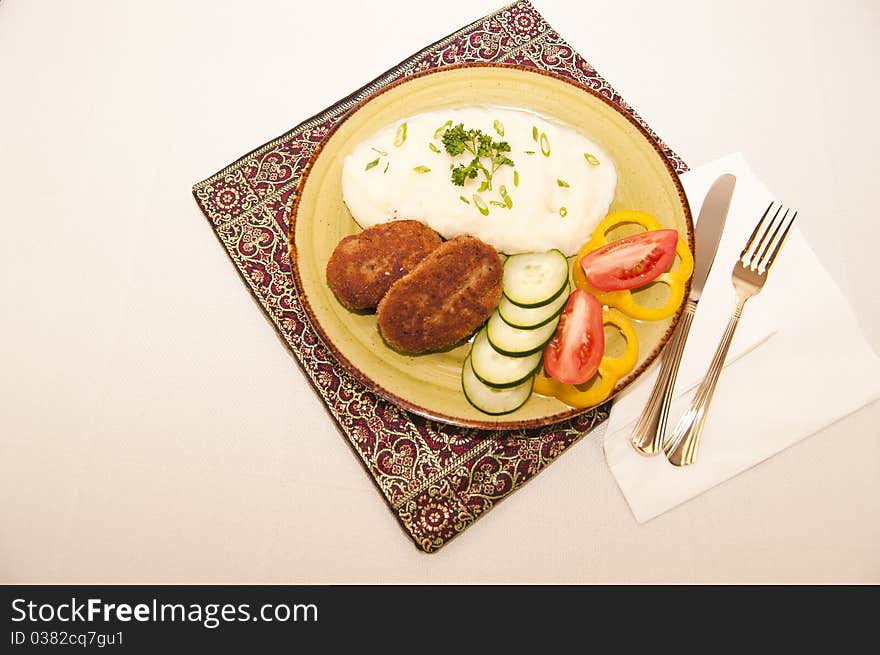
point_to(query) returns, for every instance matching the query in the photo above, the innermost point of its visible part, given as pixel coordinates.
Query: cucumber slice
(489, 399)
(498, 370)
(517, 342)
(531, 317)
(535, 279)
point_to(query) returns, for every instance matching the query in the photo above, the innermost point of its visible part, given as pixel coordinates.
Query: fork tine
(779, 243)
(754, 258)
(764, 252)
(755, 232)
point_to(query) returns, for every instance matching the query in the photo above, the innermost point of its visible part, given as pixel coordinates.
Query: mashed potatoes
(559, 187)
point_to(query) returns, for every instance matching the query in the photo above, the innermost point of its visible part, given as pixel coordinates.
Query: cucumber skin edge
(533, 327)
(512, 384)
(546, 300)
(508, 353)
(480, 409)
(467, 362)
(564, 286)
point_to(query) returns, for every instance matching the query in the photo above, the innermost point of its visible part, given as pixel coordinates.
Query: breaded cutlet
(447, 296)
(364, 266)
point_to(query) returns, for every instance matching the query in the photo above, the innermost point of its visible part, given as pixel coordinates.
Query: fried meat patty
(444, 299)
(364, 266)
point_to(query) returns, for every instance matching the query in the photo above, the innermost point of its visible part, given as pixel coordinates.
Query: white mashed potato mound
(559, 189)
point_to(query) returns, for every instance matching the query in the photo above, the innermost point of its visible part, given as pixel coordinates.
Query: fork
(749, 275)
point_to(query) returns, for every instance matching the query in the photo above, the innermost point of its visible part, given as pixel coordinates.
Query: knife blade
(707, 234)
(647, 436)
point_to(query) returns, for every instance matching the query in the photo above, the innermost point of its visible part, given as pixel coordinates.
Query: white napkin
(798, 362)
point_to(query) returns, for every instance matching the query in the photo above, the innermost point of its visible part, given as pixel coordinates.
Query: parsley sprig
(488, 155)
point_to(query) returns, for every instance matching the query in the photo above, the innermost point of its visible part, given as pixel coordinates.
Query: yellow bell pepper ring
(624, 300)
(611, 369)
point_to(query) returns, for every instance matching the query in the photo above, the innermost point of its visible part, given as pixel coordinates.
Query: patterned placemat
(437, 479)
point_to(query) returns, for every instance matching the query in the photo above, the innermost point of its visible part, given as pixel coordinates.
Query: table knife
(647, 436)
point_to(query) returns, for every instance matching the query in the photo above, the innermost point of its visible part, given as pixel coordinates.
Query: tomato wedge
(630, 262)
(575, 351)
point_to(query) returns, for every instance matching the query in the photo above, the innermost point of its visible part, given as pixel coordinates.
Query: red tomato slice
(574, 353)
(630, 262)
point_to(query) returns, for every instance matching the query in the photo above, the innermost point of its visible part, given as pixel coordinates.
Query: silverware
(648, 433)
(749, 274)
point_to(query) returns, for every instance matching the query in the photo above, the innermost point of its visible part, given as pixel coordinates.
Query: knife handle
(647, 436)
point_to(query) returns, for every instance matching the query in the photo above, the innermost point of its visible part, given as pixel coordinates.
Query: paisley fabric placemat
(437, 479)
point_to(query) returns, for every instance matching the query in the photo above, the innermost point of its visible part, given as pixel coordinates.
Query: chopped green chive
(371, 164)
(508, 201)
(545, 144)
(497, 204)
(422, 169)
(386, 167)
(400, 137)
(515, 178)
(534, 133)
(529, 152)
(481, 205)
(562, 183)
(592, 161)
(499, 127)
(433, 147)
(440, 130)
(464, 200)
(381, 152)
(563, 212)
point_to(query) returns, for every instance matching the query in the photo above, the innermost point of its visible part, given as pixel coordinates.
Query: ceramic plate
(430, 385)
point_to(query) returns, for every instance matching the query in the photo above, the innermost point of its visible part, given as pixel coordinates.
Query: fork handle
(681, 447)
(647, 436)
